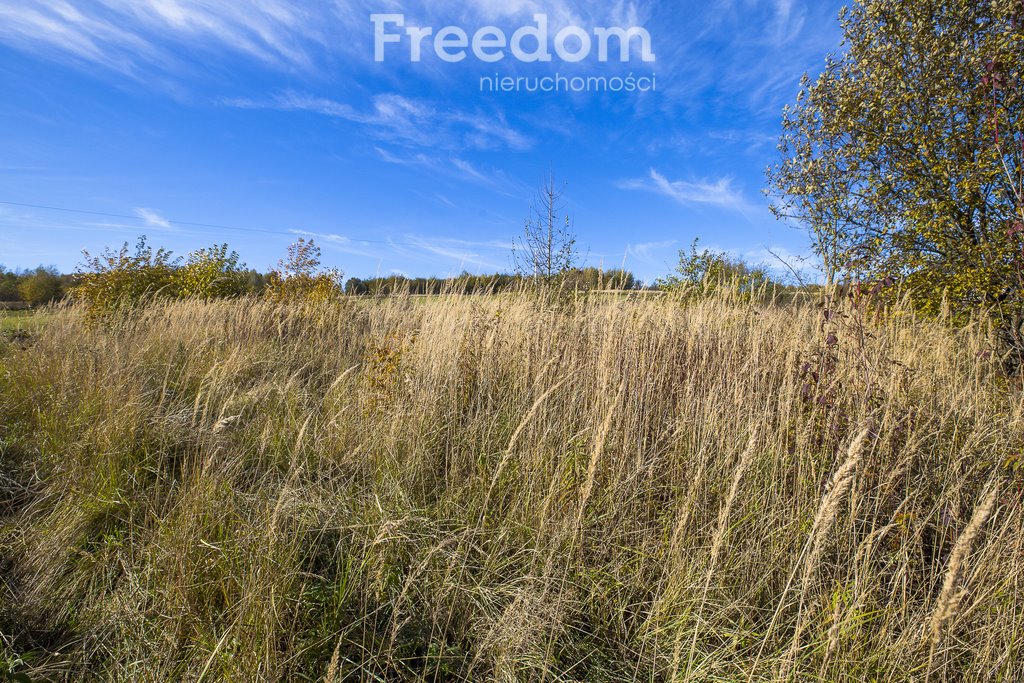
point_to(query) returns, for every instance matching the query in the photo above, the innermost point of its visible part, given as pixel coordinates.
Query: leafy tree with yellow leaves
(905, 157)
(213, 272)
(121, 280)
(40, 287)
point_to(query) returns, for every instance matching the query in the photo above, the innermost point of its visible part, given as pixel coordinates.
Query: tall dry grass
(509, 488)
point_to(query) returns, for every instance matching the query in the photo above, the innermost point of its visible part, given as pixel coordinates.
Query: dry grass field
(507, 489)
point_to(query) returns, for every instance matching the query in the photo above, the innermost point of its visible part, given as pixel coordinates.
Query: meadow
(509, 488)
(21, 321)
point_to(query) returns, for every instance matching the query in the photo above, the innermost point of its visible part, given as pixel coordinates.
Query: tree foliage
(904, 157)
(300, 276)
(702, 271)
(121, 280)
(547, 247)
(466, 283)
(213, 272)
(40, 287)
(9, 285)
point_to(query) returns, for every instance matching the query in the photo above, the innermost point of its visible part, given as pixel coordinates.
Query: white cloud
(419, 247)
(444, 200)
(651, 254)
(452, 166)
(646, 250)
(784, 263)
(505, 13)
(470, 171)
(39, 26)
(153, 219)
(125, 35)
(719, 193)
(459, 251)
(339, 243)
(400, 119)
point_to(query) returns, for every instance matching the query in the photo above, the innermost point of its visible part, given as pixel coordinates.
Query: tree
(40, 287)
(814, 180)
(904, 157)
(121, 280)
(356, 287)
(9, 285)
(255, 282)
(591, 278)
(700, 272)
(547, 247)
(299, 276)
(210, 273)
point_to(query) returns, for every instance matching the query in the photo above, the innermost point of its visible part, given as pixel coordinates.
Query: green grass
(23, 321)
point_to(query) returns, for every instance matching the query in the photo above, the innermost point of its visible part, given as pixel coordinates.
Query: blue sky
(258, 121)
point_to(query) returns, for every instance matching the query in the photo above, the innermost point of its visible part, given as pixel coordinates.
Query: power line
(214, 226)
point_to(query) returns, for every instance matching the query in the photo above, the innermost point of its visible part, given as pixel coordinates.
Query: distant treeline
(45, 285)
(124, 277)
(579, 278)
(35, 287)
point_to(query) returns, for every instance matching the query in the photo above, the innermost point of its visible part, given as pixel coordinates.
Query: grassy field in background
(22, 321)
(509, 489)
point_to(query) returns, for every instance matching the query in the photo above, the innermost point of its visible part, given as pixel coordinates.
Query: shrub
(699, 273)
(121, 280)
(211, 273)
(300, 277)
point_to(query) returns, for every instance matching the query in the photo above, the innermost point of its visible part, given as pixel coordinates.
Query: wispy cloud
(63, 29)
(131, 35)
(452, 166)
(423, 248)
(153, 219)
(645, 250)
(401, 119)
(655, 255)
(340, 243)
(743, 54)
(785, 263)
(782, 262)
(720, 193)
(459, 251)
(470, 171)
(444, 200)
(503, 13)
(456, 168)
(126, 35)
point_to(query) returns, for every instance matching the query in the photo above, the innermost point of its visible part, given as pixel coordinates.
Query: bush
(211, 273)
(299, 278)
(121, 280)
(700, 273)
